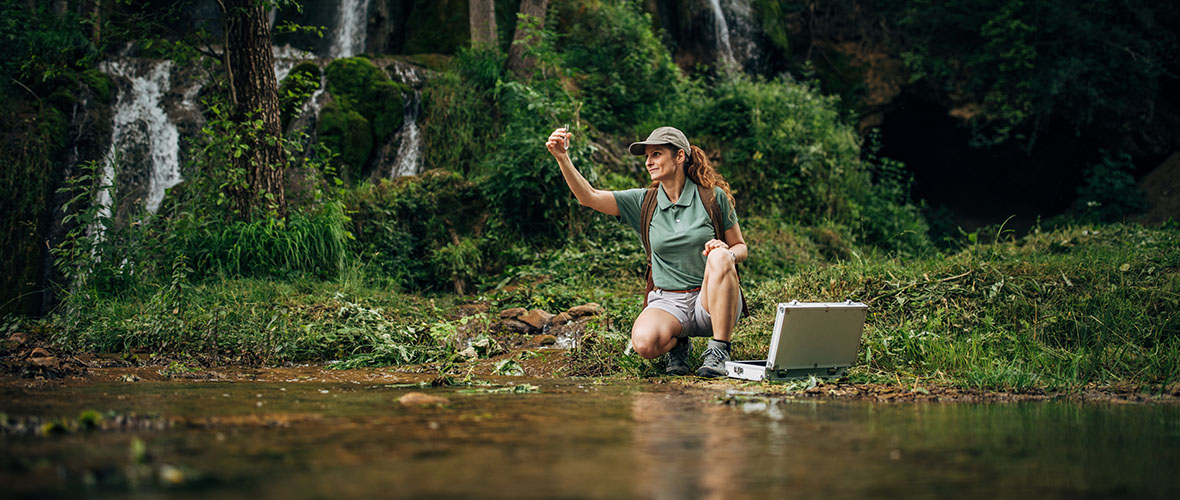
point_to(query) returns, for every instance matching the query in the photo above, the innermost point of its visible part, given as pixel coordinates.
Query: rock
(545, 339)
(40, 353)
(18, 338)
(537, 318)
(515, 326)
(513, 313)
(561, 319)
(589, 309)
(469, 353)
(465, 310)
(44, 361)
(422, 399)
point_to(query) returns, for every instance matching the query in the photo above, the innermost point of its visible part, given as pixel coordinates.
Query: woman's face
(662, 163)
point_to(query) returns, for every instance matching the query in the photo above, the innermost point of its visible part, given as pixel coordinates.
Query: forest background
(982, 173)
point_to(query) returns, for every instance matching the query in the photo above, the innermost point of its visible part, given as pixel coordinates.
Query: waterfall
(721, 28)
(286, 57)
(140, 124)
(348, 37)
(409, 150)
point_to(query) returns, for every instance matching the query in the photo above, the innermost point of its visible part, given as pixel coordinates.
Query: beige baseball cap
(663, 136)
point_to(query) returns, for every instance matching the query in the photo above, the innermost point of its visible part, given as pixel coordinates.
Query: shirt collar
(686, 195)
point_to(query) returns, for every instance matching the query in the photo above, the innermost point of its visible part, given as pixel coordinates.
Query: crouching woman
(689, 227)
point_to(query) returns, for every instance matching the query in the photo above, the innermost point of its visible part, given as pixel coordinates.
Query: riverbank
(1055, 312)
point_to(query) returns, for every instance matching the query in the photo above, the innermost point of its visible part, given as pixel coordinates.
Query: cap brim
(640, 148)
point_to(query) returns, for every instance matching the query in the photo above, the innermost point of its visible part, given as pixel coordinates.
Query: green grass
(1051, 311)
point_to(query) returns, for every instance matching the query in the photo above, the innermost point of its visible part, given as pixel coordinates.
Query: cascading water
(348, 37)
(721, 28)
(140, 124)
(409, 150)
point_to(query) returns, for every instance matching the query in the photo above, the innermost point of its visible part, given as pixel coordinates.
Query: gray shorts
(687, 308)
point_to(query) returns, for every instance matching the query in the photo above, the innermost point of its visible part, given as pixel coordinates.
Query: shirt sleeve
(629, 201)
(728, 213)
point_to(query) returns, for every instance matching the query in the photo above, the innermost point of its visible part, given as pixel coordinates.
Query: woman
(694, 273)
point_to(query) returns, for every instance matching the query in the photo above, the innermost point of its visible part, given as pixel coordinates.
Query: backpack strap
(647, 210)
(709, 198)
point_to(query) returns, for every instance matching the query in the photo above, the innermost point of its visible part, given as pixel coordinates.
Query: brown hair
(698, 169)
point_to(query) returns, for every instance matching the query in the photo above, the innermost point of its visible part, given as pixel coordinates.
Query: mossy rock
(359, 86)
(296, 89)
(349, 135)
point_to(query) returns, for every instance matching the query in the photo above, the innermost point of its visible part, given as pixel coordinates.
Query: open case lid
(816, 334)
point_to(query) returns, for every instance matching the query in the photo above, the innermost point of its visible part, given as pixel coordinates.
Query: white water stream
(140, 121)
(721, 28)
(409, 150)
(348, 37)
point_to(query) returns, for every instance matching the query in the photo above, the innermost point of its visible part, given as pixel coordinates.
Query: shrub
(296, 89)
(623, 70)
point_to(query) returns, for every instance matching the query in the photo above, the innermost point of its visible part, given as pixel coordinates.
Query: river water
(572, 438)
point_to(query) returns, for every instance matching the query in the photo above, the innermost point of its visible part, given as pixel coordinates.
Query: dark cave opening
(982, 187)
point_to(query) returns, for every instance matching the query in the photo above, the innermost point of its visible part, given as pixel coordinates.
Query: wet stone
(513, 313)
(537, 318)
(545, 340)
(422, 399)
(561, 319)
(588, 309)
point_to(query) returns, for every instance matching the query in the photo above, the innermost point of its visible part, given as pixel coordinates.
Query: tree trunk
(518, 63)
(254, 96)
(482, 16)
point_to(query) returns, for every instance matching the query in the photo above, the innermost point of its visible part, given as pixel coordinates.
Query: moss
(349, 135)
(296, 89)
(361, 87)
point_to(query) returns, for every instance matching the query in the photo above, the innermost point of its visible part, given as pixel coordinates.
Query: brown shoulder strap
(647, 210)
(709, 198)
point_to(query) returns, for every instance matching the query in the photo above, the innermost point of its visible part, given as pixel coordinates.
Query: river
(299, 436)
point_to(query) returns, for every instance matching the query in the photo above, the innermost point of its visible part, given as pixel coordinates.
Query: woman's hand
(557, 141)
(713, 245)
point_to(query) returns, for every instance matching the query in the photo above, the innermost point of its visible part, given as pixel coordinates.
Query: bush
(418, 231)
(460, 120)
(623, 70)
(1109, 192)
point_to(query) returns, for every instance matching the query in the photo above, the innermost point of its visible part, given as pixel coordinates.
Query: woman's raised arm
(602, 201)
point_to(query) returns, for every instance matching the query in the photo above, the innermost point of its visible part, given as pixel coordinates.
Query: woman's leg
(721, 294)
(654, 332)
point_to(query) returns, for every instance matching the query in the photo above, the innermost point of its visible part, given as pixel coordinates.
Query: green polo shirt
(678, 233)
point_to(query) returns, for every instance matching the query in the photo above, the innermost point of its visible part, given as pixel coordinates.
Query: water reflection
(578, 439)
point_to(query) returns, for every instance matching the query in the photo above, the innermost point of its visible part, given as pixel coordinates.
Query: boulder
(561, 319)
(513, 313)
(589, 309)
(537, 318)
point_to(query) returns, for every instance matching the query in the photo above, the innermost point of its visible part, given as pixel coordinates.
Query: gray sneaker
(677, 363)
(713, 360)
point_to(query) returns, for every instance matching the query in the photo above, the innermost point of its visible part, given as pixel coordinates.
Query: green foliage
(294, 91)
(361, 90)
(310, 241)
(520, 179)
(459, 117)
(623, 71)
(40, 48)
(437, 26)
(1109, 192)
(1089, 64)
(420, 232)
(1051, 310)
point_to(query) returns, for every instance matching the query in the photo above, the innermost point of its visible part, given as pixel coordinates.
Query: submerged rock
(422, 399)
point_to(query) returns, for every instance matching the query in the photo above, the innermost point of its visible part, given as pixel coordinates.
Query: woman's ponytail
(700, 171)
